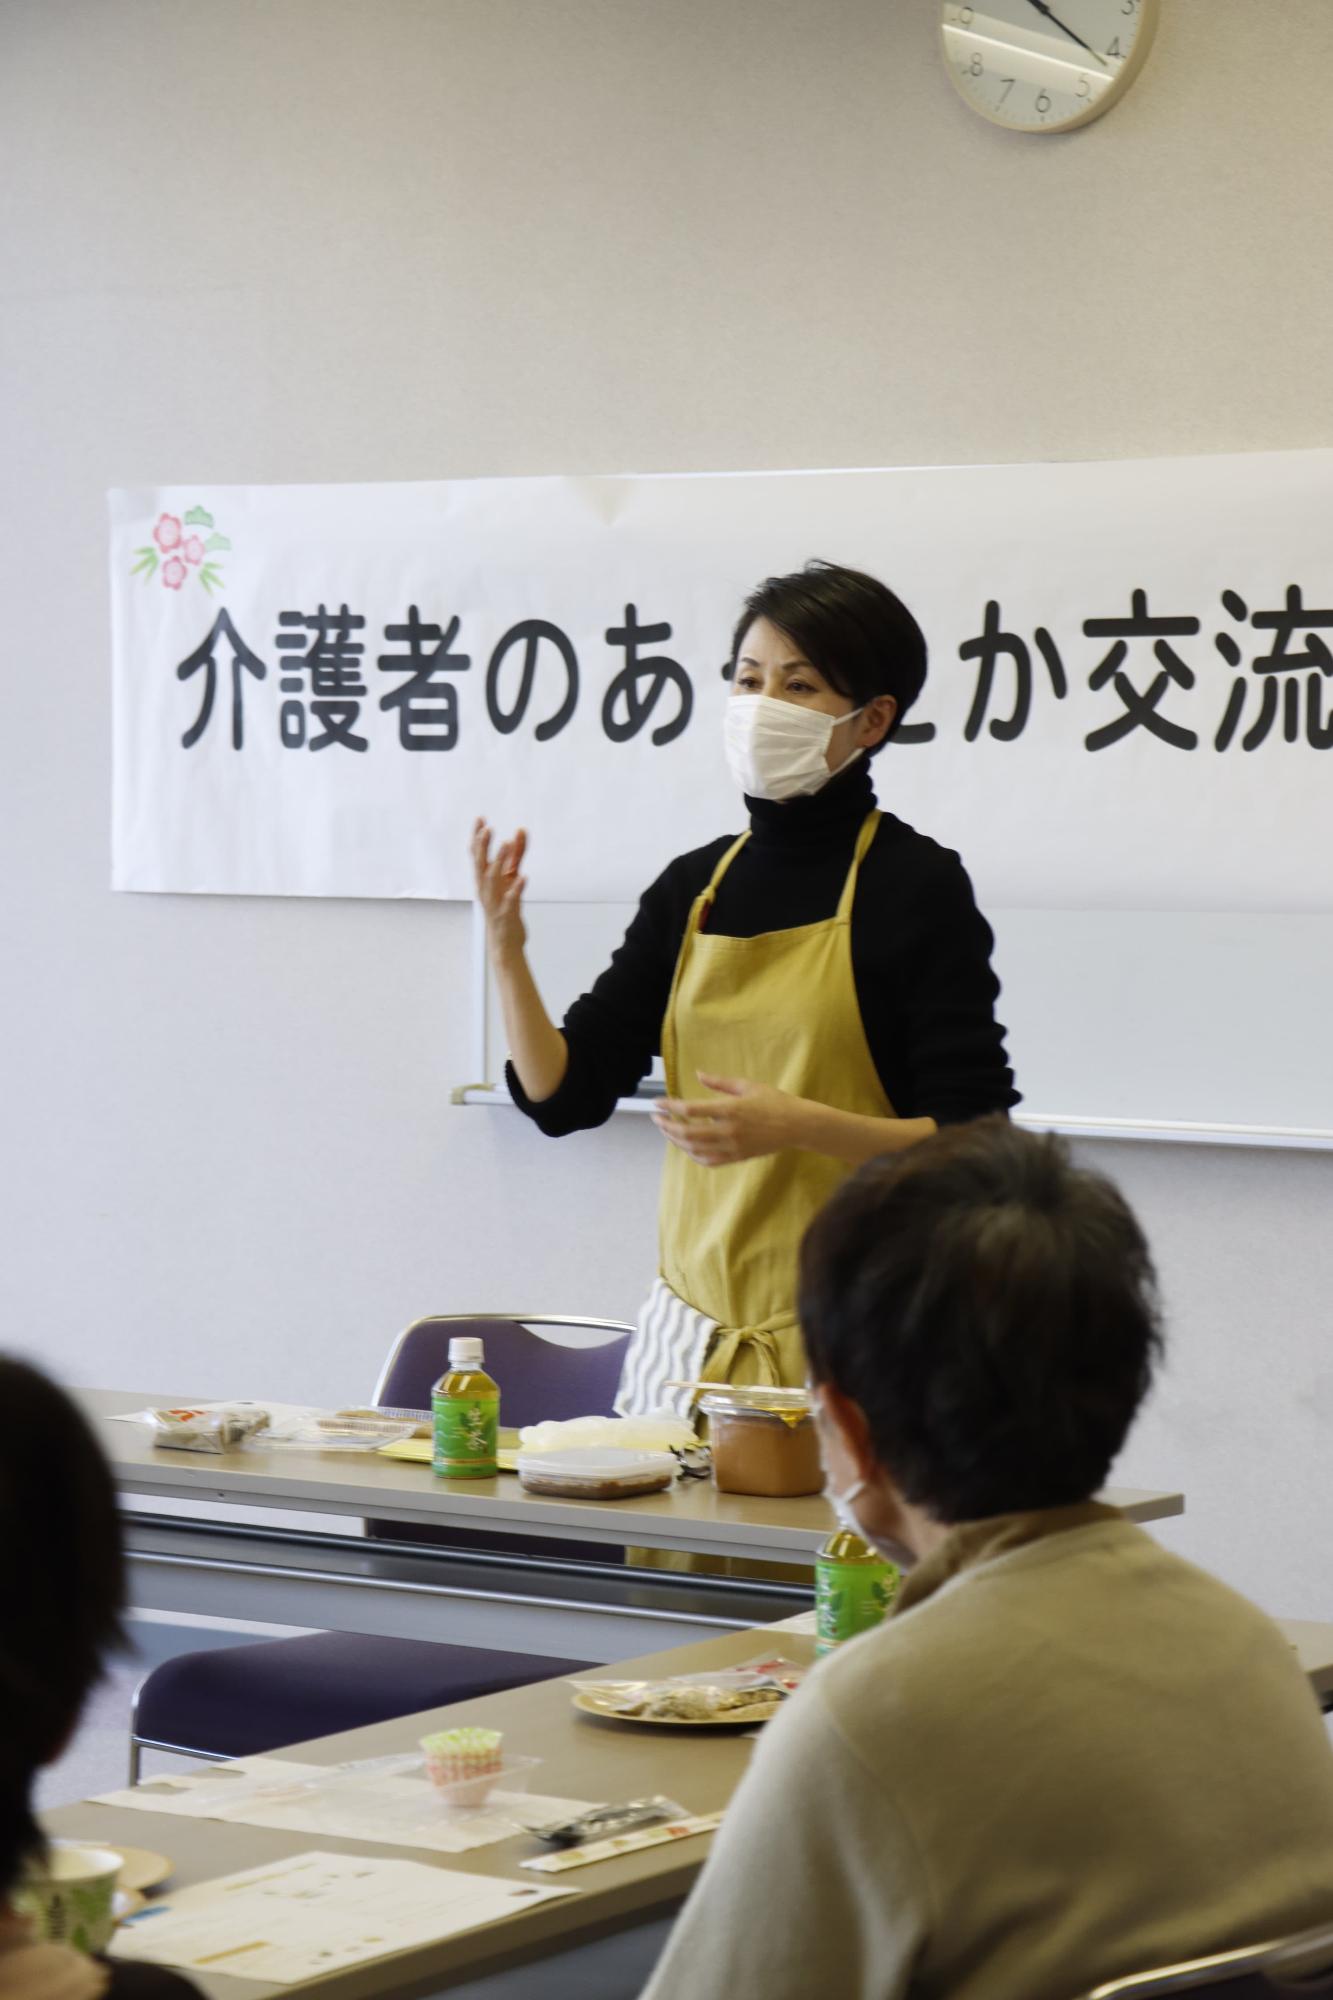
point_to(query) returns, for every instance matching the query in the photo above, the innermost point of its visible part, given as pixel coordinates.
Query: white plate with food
(737, 1715)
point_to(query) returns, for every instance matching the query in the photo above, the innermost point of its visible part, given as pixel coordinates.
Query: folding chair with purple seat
(241, 1701)
(1300, 1964)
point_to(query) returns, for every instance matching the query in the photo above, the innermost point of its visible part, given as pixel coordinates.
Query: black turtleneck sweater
(920, 958)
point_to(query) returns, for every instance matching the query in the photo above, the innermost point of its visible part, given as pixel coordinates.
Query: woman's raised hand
(537, 1048)
(500, 886)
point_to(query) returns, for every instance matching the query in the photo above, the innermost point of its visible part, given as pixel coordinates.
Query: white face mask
(845, 1512)
(777, 750)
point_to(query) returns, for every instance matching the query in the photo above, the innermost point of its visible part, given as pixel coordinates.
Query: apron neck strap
(704, 902)
(869, 827)
(725, 863)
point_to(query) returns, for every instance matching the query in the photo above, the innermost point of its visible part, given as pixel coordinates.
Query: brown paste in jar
(765, 1451)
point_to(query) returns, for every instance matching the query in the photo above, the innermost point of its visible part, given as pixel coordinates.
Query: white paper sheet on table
(312, 1914)
(202, 1794)
(387, 1806)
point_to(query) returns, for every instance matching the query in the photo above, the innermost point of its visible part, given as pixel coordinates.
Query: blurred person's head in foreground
(981, 1320)
(62, 1589)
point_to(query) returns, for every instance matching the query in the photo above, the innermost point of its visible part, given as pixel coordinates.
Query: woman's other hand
(500, 885)
(745, 1121)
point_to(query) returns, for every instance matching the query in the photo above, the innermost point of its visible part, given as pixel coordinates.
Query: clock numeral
(965, 17)
(1115, 51)
(1083, 88)
(1008, 83)
(976, 66)
(1043, 102)
(1130, 7)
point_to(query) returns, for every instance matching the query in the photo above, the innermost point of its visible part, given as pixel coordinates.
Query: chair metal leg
(136, 1741)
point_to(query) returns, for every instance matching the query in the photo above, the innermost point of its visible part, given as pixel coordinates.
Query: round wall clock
(1045, 65)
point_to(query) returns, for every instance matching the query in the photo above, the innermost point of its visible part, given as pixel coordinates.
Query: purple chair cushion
(539, 1381)
(239, 1701)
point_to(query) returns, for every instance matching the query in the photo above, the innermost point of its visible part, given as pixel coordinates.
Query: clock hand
(1042, 8)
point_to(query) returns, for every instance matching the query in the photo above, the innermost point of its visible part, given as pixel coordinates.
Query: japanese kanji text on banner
(1129, 703)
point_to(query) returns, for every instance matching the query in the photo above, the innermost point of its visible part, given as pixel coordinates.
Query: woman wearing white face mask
(819, 988)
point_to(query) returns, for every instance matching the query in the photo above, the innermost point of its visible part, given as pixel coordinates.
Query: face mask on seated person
(777, 750)
(843, 1501)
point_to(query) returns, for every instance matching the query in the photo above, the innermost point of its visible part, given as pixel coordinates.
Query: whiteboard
(1132, 1023)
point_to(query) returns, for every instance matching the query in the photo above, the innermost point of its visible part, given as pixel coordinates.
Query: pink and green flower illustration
(175, 554)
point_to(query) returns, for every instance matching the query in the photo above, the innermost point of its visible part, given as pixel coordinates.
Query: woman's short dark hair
(863, 639)
(62, 1587)
(993, 1310)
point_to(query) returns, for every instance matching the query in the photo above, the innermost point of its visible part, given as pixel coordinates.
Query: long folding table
(278, 1536)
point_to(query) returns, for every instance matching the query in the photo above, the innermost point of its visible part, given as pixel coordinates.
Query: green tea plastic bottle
(465, 1416)
(854, 1588)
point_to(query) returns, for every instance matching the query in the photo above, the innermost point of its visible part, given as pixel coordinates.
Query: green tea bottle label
(465, 1429)
(854, 1589)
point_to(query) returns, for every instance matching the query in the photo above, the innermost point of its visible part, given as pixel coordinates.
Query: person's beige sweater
(1069, 1756)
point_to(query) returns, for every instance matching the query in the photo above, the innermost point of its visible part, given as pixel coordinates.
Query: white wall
(422, 238)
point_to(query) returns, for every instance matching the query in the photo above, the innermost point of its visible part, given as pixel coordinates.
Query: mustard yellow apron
(780, 1009)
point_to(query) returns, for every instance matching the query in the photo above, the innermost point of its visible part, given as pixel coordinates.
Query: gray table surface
(584, 1757)
(693, 1516)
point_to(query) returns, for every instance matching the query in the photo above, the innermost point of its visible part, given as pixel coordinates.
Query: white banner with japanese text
(1130, 698)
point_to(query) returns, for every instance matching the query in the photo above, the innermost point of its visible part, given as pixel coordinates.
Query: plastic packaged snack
(420, 1420)
(604, 1821)
(332, 1431)
(223, 1427)
(220, 1427)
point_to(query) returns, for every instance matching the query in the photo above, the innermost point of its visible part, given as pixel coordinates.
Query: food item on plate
(701, 1704)
(744, 1693)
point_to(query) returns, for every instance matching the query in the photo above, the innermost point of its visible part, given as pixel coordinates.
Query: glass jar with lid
(764, 1441)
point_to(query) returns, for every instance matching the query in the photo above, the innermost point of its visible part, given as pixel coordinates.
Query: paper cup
(466, 1794)
(68, 1895)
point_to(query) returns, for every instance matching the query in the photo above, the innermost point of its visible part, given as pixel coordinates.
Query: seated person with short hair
(1067, 1755)
(62, 1590)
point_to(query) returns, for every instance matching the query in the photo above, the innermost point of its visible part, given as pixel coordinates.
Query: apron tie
(762, 1342)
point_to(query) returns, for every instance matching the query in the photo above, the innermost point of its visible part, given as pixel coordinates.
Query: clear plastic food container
(603, 1473)
(764, 1441)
